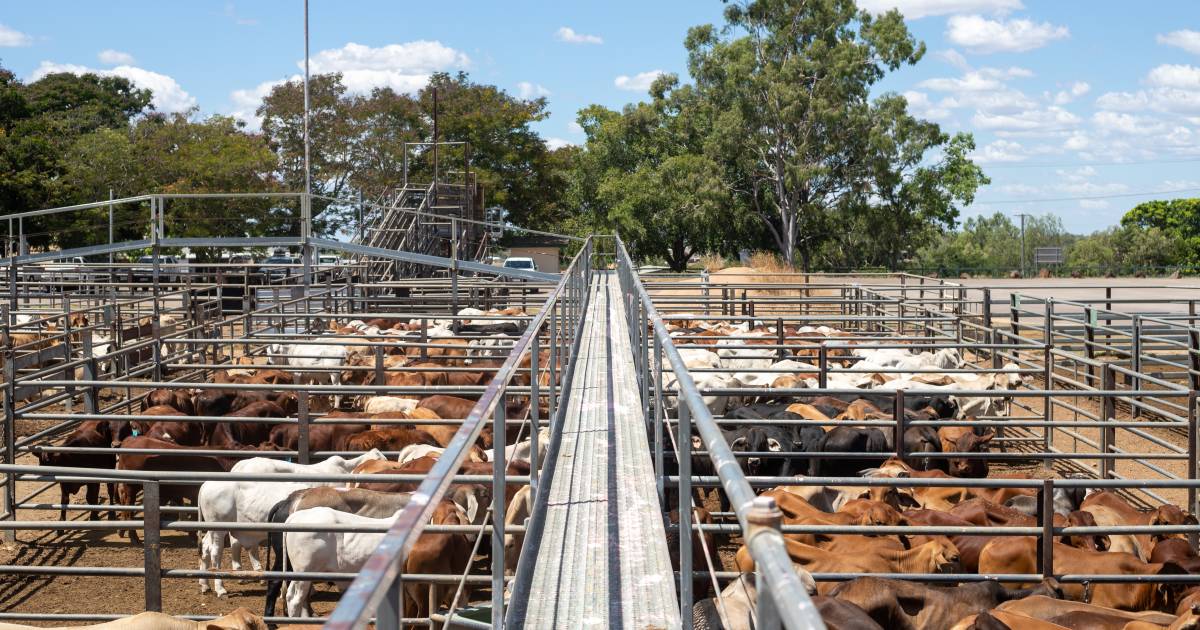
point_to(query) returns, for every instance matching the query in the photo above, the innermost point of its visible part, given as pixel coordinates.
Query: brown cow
(872, 555)
(450, 407)
(1111, 510)
(390, 439)
(254, 432)
(321, 437)
(169, 493)
(91, 434)
(446, 553)
(177, 398)
(1018, 555)
(900, 604)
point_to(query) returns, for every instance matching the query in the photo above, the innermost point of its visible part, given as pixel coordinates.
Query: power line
(1088, 198)
(1081, 164)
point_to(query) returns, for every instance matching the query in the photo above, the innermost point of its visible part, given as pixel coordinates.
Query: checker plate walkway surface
(603, 560)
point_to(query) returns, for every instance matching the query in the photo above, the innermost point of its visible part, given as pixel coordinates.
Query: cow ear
(773, 445)
(738, 442)
(987, 437)
(697, 443)
(1103, 543)
(472, 506)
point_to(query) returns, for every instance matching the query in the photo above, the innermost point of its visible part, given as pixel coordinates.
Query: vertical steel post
(1192, 453)
(658, 421)
(764, 514)
(683, 438)
(553, 394)
(110, 227)
(535, 404)
(152, 545)
(391, 609)
(498, 473)
(1047, 539)
(823, 366)
(1136, 364)
(1047, 406)
(302, 429)
(10, 446)
(898, 416)
(1107, 412)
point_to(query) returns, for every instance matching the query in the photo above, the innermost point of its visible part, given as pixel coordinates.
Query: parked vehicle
(168, 270)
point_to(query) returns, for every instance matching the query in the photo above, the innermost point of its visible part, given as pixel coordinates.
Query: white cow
(518, 513)
(237, 502)
(332, 552)
(335, 465)
(328, 356)
(523, 449)
(388, 404)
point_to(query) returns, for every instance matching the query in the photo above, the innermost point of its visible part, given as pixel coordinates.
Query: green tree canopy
(1179, 219)
(792, 80)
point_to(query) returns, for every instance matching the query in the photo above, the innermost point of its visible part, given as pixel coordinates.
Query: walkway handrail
(789, 597)
(380, 575)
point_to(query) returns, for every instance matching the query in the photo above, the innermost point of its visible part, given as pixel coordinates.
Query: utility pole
(307, 174)
(1022, 215)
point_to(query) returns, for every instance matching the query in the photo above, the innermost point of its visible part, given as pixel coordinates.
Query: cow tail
(275, 542)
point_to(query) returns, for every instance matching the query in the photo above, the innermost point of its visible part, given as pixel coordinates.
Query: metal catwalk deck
(602, 559)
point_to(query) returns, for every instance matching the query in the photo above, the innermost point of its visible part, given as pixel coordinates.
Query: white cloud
(168, 96)
(574, 127)
(245, 102)
(110, 57)
(557, 143)
(1041, 121)
(637, 83)
(1000, 151)
(401, 67)
(969, 82)
(955, 58)
(981, 35)
(1116, 122)
(1078, 141)
(1093, 204)
(921, 106)
(916, 9)
(1185, 39)
(12, 38)
(1077, 89)
(1175, 76)
(568, 34)
(527, 90)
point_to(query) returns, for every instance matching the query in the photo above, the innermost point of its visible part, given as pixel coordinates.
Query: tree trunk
(677, 258)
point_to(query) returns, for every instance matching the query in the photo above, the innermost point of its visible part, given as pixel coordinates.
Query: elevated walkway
(601, 556)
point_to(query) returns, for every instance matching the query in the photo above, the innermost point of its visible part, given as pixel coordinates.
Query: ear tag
(136, 432)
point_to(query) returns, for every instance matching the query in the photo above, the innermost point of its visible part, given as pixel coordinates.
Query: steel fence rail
(377, 584)
(784, 594)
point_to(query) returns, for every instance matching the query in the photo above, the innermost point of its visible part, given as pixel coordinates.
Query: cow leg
(64, 499)
(127, 495)
(297, 598)
(93, 499)
(204, 543)
(112, 500)
(215, 547)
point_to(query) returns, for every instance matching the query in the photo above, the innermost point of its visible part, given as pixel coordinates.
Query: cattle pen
(625, 387)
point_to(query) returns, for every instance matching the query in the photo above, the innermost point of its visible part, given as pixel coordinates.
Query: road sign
(1048, 256)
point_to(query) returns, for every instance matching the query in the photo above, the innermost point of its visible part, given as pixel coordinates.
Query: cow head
(756, 440)
(1168, 514)
(971, 468)
(1168, 594)
(919, 440)
(473, 499)
(1091, 542)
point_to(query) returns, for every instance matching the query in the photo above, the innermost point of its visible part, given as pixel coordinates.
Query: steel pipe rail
(784, 594)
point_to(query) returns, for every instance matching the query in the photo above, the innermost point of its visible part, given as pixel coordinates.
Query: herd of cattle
(393, 434)
(404, 435)
(723, 357)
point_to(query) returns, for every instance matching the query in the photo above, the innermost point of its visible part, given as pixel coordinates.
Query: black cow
(918, 443)
(846, 439)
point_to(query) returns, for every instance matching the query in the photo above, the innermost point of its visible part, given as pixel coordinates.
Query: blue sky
(1085, 102)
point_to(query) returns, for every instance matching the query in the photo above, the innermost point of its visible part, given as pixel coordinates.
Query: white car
(520, 262)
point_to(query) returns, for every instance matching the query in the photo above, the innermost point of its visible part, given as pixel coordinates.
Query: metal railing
(378, 583)
(781, 595)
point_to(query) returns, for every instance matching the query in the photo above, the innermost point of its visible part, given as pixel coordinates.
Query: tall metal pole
(1023, 215)
(435, 146)
(307, 173)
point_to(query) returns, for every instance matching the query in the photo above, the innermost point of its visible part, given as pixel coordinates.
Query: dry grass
(769, 262)
(712, 262)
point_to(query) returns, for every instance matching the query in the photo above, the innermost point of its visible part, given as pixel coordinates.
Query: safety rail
(781, 595)
(377, 585)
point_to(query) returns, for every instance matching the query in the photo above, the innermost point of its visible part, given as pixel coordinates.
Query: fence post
(1107, 411)
(658, 421)
(302, 428)
(683, 434)
(1194, 357)
(89, 373)
(781, 353)
(391, 608)
(823, 365)
(1047, 405)
(764, 513)
(1014, 314)
(1046, 517)
(1136, 364)
(10, 441)
(498, 513)
(152, 545)
(1192, 454)
(535, 408)
(379, 375)
(898, 412)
